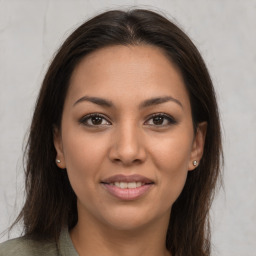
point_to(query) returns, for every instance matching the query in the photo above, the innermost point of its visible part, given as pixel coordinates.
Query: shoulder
(26, 247)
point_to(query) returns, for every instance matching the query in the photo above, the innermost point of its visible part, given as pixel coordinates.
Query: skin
(127, 140)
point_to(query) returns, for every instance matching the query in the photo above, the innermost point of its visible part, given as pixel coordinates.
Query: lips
(130, 178)
(127, 187)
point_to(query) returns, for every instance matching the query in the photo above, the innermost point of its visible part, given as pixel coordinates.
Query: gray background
(225, 33)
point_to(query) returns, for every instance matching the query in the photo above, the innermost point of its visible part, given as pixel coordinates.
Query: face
(126, 137)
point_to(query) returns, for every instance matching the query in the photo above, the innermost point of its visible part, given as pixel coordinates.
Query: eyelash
(170, 119)
(85, 119)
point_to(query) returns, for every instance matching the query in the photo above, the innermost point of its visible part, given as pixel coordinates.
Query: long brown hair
(50, 201)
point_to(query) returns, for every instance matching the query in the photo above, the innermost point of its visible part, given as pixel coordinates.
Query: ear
(57, 141)
(198, 146)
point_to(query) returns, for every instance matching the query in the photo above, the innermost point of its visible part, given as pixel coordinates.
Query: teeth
(131, 185)
(138, 184)
(124, 185)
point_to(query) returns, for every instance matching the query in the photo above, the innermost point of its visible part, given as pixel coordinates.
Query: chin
(132, 218)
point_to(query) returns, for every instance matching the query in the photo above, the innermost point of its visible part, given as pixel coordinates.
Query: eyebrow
(144, 104)
(159, 100)
(95, 100)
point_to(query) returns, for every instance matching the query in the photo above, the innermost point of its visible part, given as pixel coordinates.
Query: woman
(124, 149)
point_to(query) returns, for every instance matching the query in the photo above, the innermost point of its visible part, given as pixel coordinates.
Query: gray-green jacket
(24, 247)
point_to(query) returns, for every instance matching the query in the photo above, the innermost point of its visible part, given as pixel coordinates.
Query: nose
(127, 146)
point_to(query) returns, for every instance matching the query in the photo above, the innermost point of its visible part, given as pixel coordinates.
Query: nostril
(127, 162)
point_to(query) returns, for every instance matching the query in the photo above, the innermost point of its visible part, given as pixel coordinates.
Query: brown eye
(158, 120)
(94, 120)
(161, 120)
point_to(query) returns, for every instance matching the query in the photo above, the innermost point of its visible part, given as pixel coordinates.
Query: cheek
(83, 157)
(172, 152)
(171, 158)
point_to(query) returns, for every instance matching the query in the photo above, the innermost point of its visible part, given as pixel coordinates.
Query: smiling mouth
(127, 187)
(124, 185)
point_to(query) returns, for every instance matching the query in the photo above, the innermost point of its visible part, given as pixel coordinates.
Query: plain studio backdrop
(225, 33)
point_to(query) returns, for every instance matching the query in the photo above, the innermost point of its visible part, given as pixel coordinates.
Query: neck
(90, 239)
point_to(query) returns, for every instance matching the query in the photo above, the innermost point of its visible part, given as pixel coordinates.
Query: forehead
(127, 73)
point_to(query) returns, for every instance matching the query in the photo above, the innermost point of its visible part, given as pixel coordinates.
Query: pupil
(96, 120)
(158, 120)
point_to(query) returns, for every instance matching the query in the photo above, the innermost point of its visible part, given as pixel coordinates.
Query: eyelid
(88, 116)
(171, 119)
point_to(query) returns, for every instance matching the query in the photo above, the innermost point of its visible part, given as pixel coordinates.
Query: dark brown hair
(50, 201)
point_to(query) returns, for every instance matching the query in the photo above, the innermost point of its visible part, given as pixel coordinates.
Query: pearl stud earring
(57, 161)
(195, 163)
